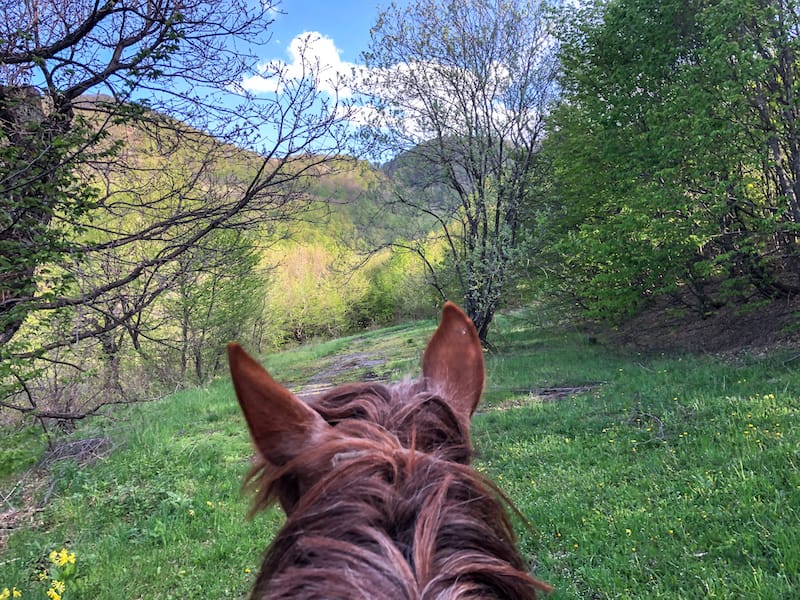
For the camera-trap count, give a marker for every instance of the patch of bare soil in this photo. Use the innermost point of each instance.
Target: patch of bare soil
(354, 367)
(538, 395)
(667, 327)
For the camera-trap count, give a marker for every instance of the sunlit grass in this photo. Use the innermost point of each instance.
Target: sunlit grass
(670, 477)
(676, 478)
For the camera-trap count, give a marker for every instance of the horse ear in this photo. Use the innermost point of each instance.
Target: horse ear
(281, 425)
(453, 361)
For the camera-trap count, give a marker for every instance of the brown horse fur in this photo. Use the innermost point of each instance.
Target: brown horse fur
(375, 481)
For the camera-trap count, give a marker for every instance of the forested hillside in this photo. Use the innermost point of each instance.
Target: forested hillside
(314, 260)
(617, 158)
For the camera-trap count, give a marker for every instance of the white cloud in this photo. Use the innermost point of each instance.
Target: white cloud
(313, 57)
(428, 98)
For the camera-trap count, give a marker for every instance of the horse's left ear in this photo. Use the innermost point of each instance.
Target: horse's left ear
(282, 426)
(453, 361)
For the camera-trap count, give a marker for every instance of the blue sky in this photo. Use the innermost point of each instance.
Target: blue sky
(347, 23)
(327, 35)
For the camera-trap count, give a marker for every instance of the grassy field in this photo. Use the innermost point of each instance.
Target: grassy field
(641, 476)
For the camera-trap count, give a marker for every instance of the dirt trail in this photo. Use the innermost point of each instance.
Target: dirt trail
(354, 366)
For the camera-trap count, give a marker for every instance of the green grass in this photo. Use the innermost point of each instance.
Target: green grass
(672, 477)
(21, 448)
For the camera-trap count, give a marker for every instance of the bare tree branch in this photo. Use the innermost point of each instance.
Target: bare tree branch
(126, 156)
(460, 91)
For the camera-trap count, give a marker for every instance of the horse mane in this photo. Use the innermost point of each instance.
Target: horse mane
(389, 507)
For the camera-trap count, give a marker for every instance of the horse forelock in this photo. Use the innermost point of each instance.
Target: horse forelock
(389, 507)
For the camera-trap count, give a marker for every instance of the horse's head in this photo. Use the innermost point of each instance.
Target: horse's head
(285, 429)
(283, 426)
(378, 477)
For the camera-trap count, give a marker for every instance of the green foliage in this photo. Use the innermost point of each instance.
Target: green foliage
(669, 155)
(21, 449)
(397, 289)
(324, 280)
(42, 203)
(216, 299)
(310, 292)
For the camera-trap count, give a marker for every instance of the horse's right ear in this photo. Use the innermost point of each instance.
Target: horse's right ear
(453, 361)
(281, 425)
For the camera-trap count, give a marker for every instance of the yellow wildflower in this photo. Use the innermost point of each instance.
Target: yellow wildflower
(5, 594)
(58, 586)
(16, 593)
(53, 595)
(62, 557)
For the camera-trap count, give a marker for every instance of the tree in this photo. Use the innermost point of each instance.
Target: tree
(217, 296)
(121, 154)
(462, 88)
(675, 152)
(314, 285)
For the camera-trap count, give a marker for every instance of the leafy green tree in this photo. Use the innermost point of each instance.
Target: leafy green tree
(312, 287)
(460, 90)
(397, 287)
(672, 152)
